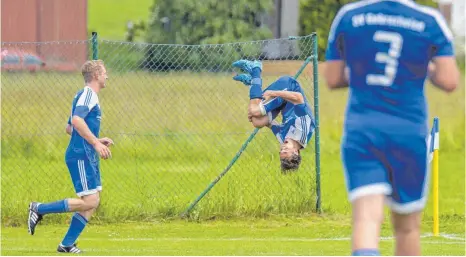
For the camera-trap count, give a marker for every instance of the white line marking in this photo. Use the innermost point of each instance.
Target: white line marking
(450, 237)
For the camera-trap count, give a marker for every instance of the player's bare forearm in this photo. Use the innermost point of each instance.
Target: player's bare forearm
(334, 74)
(444, 73)
(289, 96)
(83, 130)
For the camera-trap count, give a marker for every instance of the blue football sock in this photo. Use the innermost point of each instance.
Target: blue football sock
(53, 207)
(256, 73)
(366, 252)
(255, 91)
(78, 223)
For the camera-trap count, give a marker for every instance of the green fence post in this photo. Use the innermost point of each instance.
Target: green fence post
(317, 130)
(95, 50)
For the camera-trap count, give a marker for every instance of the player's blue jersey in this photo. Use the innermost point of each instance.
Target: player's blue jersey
(85, 105)
(297, 120)
(387, 45)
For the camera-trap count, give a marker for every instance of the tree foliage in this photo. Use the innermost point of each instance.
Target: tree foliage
(190, 22)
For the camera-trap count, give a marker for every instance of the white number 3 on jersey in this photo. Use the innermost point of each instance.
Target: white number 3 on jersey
(390, 59)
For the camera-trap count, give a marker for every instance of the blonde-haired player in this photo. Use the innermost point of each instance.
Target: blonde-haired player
(82, 159)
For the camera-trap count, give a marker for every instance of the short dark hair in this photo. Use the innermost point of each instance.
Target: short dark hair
(291, 164)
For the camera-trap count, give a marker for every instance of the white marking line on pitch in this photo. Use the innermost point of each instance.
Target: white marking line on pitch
(453, 238)
(448, 237)
(459, 240)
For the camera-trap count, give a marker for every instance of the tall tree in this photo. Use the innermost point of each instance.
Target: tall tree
(208, 21)
(190, 22)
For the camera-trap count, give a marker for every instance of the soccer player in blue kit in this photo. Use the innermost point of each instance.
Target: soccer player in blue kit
(284, 96)
(384, 50)
(82, 159)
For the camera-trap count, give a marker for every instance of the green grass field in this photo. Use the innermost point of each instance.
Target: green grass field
(174, 133)
(171, 141)
(267, 237)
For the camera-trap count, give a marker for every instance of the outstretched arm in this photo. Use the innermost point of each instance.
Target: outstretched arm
(289, 96)
(258, 110)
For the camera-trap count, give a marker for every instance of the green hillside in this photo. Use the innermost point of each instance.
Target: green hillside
(109, 19)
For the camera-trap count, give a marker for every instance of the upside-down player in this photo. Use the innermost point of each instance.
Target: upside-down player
(284, 96)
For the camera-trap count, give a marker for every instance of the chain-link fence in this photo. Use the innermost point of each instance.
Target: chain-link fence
(177, 119)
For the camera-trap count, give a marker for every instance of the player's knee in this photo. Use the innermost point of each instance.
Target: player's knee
(368, 210)
(407, 229)
(257, 124)
(406, 224)
(95, 202)
(92, 201)
(368, 216)
(291, 163)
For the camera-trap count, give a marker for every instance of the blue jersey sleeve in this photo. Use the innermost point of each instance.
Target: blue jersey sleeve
(335, 39)
(85, 103)
(72, 108)
(442, 38)
(300, 109)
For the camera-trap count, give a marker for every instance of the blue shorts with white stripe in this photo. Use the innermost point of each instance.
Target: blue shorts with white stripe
(85, 176)
(377, 162)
